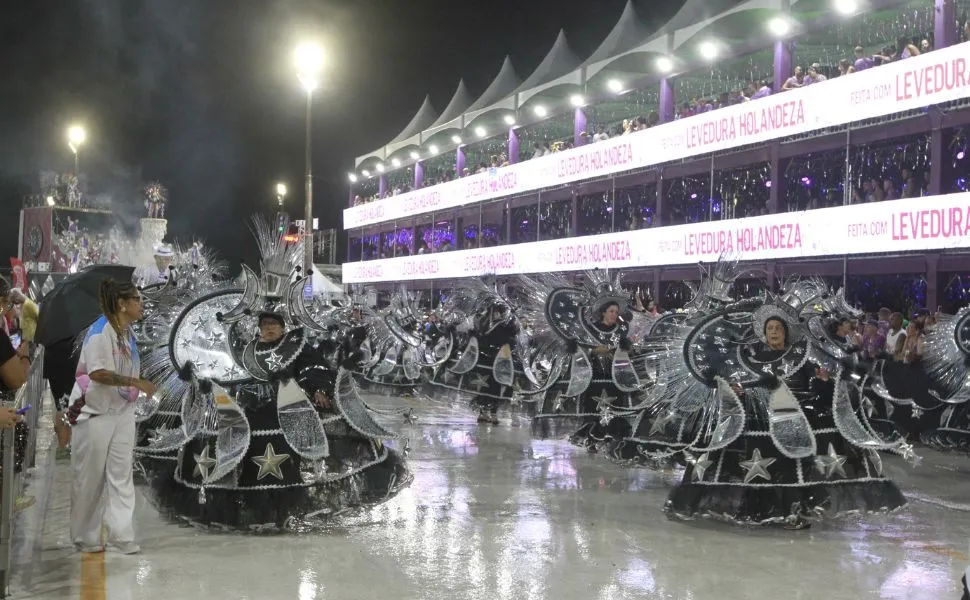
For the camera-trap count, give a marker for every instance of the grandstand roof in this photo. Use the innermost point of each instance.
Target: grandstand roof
(503, 85)
(694, 12)
(621, 54)
(628, 33)
(421, 120)
(559, 61)
(460, 101)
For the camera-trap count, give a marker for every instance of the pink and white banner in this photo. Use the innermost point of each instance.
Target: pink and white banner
(910, 225)
(932, 78)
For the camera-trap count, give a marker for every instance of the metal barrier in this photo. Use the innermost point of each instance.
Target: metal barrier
(12, 483)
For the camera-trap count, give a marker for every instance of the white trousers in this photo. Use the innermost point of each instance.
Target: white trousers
(103, 490)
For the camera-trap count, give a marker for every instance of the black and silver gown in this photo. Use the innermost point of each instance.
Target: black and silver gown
(263, 454)
(486, 369)
(757, 480)
(585, 418)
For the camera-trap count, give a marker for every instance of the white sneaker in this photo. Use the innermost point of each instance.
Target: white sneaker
(89, 549)
(126, 547)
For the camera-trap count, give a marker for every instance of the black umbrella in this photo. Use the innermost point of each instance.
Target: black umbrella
(73, 305)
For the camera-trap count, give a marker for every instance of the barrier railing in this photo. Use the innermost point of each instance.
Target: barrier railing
(11, 482)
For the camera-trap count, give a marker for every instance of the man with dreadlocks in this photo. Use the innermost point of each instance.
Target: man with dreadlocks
(102, 411)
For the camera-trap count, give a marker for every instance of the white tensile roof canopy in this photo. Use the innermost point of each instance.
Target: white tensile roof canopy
(629, 37)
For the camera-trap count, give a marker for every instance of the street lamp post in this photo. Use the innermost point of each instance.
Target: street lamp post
(75, 138)
(280, 194)
(309, 60)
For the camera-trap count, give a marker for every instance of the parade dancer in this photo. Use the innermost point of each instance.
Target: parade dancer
(258, 432)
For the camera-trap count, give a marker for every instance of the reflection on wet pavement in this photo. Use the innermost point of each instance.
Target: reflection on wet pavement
(496, 515)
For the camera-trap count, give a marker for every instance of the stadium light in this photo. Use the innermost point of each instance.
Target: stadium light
(779, 26)
(577, 100)
(846, 7)
(415, 155)
(308, 59)
(309, 62)
(380, 168)
(509, 120)
(433, 149)
(76, 136)
(280, 194)
(396, 162)
(615, 85)
(50, 201)
(352, 177)
(540, 111)
(456, 139)
(708, 50)
(365, 173)
(665, 65)
(480, 131)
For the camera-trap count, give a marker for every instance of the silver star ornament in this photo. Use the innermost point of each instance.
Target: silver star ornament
(757, 467)
(269, 463)
(203, 463)
(830, 463)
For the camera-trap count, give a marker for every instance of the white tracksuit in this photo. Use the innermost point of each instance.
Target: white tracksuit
(103, 440)
(103, 490)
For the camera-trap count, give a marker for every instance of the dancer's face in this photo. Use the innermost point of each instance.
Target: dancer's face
(775, 334)
(270, 330)
(610, 315)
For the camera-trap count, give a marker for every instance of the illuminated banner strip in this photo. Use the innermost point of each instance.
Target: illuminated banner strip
(932, 78)
(910, 225)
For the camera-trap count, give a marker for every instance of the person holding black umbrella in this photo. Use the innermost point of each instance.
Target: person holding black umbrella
(102, 411)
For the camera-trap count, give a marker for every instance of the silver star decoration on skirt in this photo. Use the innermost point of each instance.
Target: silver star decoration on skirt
(604, 400)
(478, 382)
(398, 377)
(203, 463)
(757, 467)
(158, 433)
(269, 463)
(660, 423)
(409, 417)
(908, 454)
(274, 361)
(701, 464)
(831, 463)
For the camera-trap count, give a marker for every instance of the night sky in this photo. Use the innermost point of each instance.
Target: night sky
(202, 95)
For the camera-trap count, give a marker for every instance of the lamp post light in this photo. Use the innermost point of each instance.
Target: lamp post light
(309, 62)
(280, 194)
(75, 138)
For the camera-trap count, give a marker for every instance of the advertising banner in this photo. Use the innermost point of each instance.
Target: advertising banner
(898, 226)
